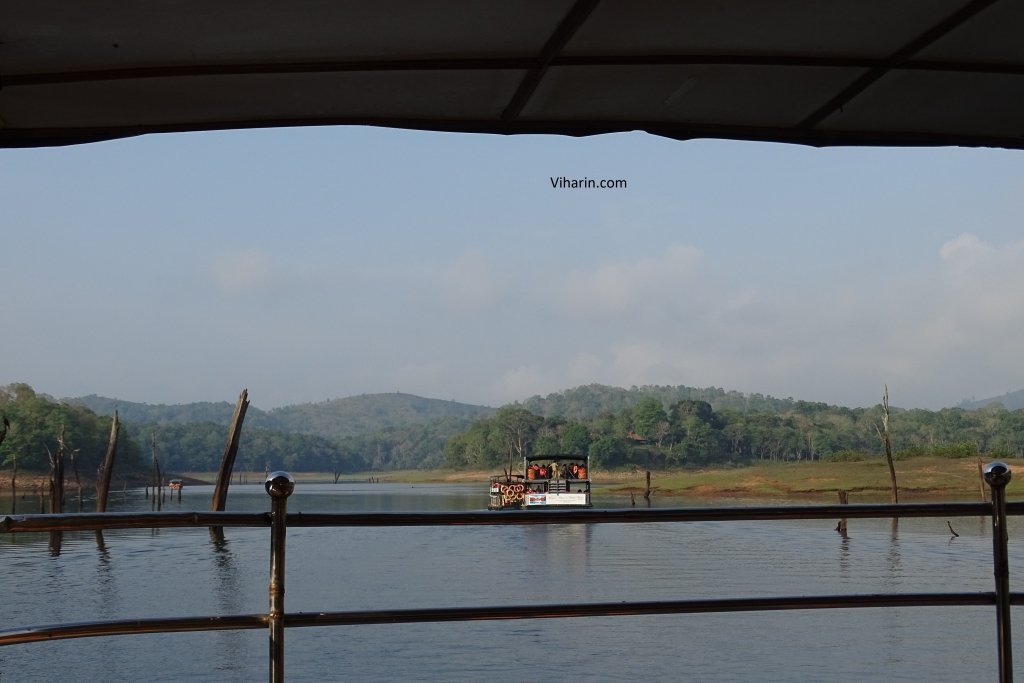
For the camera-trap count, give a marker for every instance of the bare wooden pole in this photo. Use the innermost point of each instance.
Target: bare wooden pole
(57, 477)
(159, 484)
(887, 444)
(647, 491)
(78, 480)
(57, 488)
(14, 475)
(14, 485)
(152, 504)
(981, 480)
(220, 491)
(63, 448)
(103, 483)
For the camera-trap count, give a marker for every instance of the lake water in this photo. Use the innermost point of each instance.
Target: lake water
(181, 572)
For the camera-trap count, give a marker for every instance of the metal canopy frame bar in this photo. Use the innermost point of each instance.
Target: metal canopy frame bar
(915, 46)
(558, 40)
(534, 68)
(501, 64)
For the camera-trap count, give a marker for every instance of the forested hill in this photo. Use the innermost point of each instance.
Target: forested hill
(335, 419)
(181, 413)
(587, 402)
(1013, 400)
(355, 415)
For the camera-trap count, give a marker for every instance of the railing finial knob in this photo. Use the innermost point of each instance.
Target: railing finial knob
(997, 473)
(279, 484)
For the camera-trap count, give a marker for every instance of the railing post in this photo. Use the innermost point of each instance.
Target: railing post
(279, 485)
(997, 475)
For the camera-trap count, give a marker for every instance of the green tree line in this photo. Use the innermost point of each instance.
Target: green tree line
(199, 446)
(36, 421)
(692, 433)
(183, 445)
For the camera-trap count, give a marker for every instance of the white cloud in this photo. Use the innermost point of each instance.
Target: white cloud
(524, 382)
(244, 272)
(932, 333)
(470, 283)
(626, 286)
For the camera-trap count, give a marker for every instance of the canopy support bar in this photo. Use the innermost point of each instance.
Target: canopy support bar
(951, 22)
(562, 35)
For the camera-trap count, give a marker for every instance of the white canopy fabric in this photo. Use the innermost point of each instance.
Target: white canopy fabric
(818, 72)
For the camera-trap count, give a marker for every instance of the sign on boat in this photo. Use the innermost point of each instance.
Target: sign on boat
(546, 481)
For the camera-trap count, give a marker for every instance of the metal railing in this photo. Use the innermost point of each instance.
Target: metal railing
(280, 485)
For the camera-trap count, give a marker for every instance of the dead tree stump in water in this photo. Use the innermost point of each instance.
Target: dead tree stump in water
(227, 463)
(103, 480)
(844, 499)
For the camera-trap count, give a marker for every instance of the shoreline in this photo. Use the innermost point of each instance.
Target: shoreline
(919, 478)
(868, 481)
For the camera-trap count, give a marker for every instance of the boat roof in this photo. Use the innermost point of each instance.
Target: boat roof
(554, 458)
(870, 72)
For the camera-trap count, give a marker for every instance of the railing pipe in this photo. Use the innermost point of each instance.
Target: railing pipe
(279, 485)
(158, 520)
(997, 475)
(122, 627)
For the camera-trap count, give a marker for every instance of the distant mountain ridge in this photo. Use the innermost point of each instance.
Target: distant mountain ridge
(342, 417)
(1011, 400)
(335, 419)
(356, 415)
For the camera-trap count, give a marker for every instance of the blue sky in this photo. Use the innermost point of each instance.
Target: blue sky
(313, 263)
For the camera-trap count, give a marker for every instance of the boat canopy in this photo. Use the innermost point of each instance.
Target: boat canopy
(561, 457)
(869, 72)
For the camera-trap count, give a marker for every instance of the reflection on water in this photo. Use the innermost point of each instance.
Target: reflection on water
(176, 572)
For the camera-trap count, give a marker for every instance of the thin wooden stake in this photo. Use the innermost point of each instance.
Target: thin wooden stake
(14, 486)
(884, 436)
(57, 475)
(159, 484)
(14, 475)
(981, 480)
(103, 484)
(78, 480)
(227, 463)
(152, 504)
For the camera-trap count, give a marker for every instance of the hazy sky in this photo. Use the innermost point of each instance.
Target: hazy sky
(308, 264)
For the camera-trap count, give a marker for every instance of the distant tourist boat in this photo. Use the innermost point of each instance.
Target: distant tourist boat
(547, 481)
(174, 484)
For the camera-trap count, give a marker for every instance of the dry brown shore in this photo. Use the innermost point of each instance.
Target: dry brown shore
(867, 481)
(31, 480)
(919, 478)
